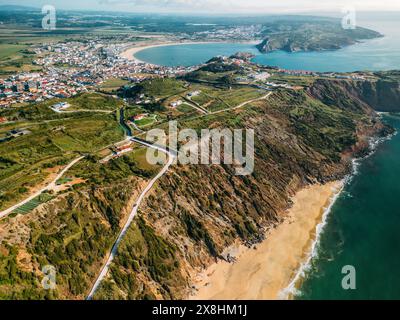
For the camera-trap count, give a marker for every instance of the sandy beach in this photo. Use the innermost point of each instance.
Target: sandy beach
(130, 53)
(264, 272)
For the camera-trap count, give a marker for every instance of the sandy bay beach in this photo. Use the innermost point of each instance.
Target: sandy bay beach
(275, 264)
(129, 53)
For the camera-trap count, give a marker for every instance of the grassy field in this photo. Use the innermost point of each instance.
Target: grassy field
(161, 88)
(54, 140)
(93, 101)
(9, 50)
(146, 121)
(16, 57)
(293, 80)
(185, 108)
(111, 85)
(33, 204)
(63, 180)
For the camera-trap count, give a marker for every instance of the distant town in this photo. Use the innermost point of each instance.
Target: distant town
(73, 67)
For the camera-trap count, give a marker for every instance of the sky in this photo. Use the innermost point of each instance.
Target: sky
(215, 6)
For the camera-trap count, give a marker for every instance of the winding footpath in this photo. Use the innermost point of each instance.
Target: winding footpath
(114, 250)
(50, 186)
(243, 104)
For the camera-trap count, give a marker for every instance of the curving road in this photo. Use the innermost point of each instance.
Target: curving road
(50, 186)
(114, 250)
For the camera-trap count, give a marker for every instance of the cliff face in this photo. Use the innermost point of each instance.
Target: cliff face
(310, 35)
(194, 212)
(382, 95)
(197, 211)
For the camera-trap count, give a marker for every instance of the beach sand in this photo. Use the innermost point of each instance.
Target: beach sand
(263, 273)
(130, 53)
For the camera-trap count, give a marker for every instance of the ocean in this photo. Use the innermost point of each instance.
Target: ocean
(362, 229)
(376, 54)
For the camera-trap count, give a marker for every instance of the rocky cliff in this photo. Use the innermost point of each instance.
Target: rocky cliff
(197, 211)
(308, 35)
(194, 212)
(381, 94)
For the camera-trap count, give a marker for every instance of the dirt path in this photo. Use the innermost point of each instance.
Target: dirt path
(50, 186)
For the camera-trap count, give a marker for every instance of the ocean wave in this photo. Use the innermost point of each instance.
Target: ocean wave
(292, 290)
(373, 142)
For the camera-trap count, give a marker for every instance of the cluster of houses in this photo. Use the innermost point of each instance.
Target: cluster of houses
(352, 76)
(117, 151)
(74, 67)
(297, 72)
(37, 87)
(245, 33)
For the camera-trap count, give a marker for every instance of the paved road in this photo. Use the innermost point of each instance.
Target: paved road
(50, 186)
(114, 250)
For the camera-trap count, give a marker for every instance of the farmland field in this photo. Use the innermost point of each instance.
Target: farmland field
(31, 205)
(54, 140)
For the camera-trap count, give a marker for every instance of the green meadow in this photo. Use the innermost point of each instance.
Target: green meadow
(53, 141)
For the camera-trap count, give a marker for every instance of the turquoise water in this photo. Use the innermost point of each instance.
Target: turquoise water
(376, 54)
(363, 230)
(190, 54)
(369, 55)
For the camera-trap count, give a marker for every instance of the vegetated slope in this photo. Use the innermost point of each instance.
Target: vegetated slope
(382, 94)
(307, 35)
(195, 212)
(73, 232)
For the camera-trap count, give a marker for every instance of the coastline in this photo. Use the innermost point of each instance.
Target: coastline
(130, 52)
(268, 272)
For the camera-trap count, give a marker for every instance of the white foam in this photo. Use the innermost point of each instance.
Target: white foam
(305, 267)
(291, 289)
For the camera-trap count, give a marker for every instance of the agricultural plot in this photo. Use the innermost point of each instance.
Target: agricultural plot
(15, 58)
(27, 161)
(94, 101)
(202, 99)
(111, 85)
(237, 96)
(185, 108)
(146, 121)
(33, 204)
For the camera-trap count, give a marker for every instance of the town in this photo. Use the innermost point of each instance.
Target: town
(73, 67)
